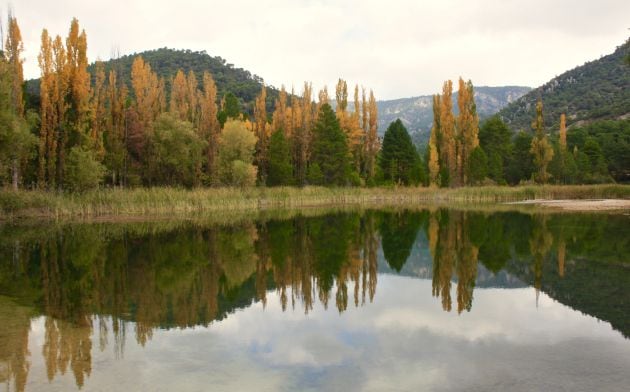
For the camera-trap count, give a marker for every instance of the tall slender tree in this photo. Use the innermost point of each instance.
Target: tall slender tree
(399, 157)
(209, 126)
(541, 148)
(446, 139)
(148, 90)
(341, 95)
(302, 139)
(467, 129)
(48, 122)
(13, 49)
(372, 143)
(433, 162)
(60, 99)
(192, 93)
(435, 139)
(280, 113)
(98, 111)
(356, 134)
(261, 131)
(16, 141)
(115, 138)
(563, 132)
(179, 104)
(296, 125)
(78, 116)
(329, 163)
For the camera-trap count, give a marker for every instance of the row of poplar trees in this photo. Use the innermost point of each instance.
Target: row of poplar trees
(92, 128)
(307, 143)
(455, 156)
(454, 141)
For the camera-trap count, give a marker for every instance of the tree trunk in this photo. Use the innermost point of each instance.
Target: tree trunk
(15, 167)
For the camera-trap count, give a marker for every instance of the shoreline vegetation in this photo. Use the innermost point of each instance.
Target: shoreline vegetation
(164, 201)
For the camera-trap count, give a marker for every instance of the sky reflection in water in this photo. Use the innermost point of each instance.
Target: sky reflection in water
(283, 321)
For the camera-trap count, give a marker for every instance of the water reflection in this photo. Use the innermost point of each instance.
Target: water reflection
(101, 280)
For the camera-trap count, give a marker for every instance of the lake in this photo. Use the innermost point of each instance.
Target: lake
(436, 299)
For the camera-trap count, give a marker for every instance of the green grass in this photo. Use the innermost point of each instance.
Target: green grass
(161, 201)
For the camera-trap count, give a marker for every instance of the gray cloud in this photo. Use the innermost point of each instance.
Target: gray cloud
(398, 48)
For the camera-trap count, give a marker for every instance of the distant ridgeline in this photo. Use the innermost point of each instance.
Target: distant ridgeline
(597, 90)
(166, 62)
(416, 113)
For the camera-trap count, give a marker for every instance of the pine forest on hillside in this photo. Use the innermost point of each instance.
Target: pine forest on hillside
(597, 90)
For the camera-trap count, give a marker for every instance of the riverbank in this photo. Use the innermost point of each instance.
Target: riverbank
(169, 201)
(581, 205)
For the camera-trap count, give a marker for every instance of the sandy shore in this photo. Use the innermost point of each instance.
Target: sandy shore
(582, 205)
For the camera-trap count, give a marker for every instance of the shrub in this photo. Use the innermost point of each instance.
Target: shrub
(83, 171)
(243, 174)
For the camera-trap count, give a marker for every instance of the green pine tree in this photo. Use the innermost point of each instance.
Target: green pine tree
(521, 163)
(280, 169)
(494, 139)
(330, 154)
(478, 165)
(399, 158)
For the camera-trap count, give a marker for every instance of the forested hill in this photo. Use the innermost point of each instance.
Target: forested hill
(417, 112)
(599, 89)
(166, 62)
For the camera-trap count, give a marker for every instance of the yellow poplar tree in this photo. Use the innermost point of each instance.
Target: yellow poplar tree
(60, 91)
(13, 53)
(302, 138)
(434, 165)
(467, 128)
(563, 132)
(48, 120)
(341, 95)
(160, 101)
(191, 98)
(372, 144)
(364, 112)
(148, 90)
(116, 152)
(98, 112)
(261, 132)
(208, 124)
(541, 148)
(322, 97)
(356, 134)
(78, 78)
(435, 143)
(446, 139)
(297, 125)
(280, 113)
(179, 94)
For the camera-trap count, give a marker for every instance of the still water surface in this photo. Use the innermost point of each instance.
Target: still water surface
(371, 300)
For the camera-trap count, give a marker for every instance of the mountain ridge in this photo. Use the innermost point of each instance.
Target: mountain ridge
(597, 90)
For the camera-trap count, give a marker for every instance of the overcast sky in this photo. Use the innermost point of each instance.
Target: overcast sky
(399, 48)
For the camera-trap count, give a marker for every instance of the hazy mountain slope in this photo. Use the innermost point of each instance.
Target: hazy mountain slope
(599, 89)
(417, 113)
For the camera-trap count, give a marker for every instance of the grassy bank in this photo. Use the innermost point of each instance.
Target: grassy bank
(146, 201)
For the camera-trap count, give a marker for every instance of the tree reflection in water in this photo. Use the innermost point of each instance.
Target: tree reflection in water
(108, 277)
